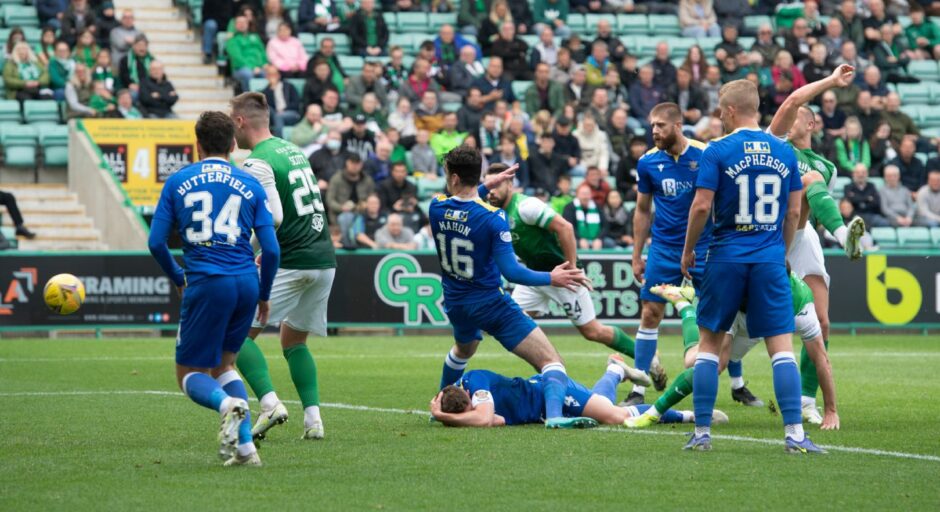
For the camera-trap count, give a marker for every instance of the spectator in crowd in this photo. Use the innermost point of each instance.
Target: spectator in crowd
(695, 63)
(545, 166)
(471, 112)
(578, 92)
(428, 113)
(379, 163)
(877, 18)
(333, 116)
(102, 101)
(731, 69)
(86, 49)
(563, 67)
(864, 198)
(512, 50)
(489, 134)
(367, 82)
(852, 28)
(729, 45)
(423, 160)
(51, 12)
(360, 140)
(345, 10)
(367, 222)
(493, 84)
(348, 187)
(102, 70)
(616, 92)
(136, 64)
(465, 71)
(784, 63)
(644, 95)
(368, 31)
(691, 99)
(310, 133)
(522, 16)
(45, 48)
(590, 226)
(552, 15)
(418, 82)
(8, 200)
(619, 222)
(798, 41)
(509, 155)
(24, 77)
(16, 36)
(913, 172)
(318, 82)
(287, 53)
(272, 17)
(448, 137)
(626, 177)
(594, 144)
(61, 69)
(316, 17)
(123, 36)
(329, 159)
(619, 134)
(711, 86)
(489, 28)
(157, 95)
(817, 67)
(125, 106)
(833, 39)
(594, 179)
(77, 17)
(394, 235)
(891, 55)
(283, 101)
(567, 146)
(871, 82)
(664, 72)
(216, 14)
(928, 201)
(327, 52)
(897, 205)
(882, 147)
(471, 15)
(246, 54)
(698, 19)
(923, 35)
(403, 118)
(599, 107)
(868, 116)
(448, 48)
(392, 190)
(851, 147)
(833, 117)
(597, 64)
(78, 92)
(562, 196)
(375, 116)
(901, 124)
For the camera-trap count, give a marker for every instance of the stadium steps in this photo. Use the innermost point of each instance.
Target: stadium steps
(200, 87)
(57, 218)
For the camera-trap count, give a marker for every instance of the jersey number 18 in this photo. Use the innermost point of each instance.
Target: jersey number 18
(767, 206)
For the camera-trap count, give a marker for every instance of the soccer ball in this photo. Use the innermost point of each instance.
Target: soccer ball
(64, 294)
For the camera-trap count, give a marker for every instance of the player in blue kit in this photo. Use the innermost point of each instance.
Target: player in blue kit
(215, 207)
(749, 184)
(475, 249)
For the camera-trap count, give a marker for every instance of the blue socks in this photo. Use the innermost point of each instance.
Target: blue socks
(204, 390)
(453, 369)
(554, 384)
(607, 385)
(232, 384)
(786, 387)
(645, 348)
(705, 384)
(735, 369)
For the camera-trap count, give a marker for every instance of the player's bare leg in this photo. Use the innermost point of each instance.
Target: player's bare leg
(650, 318)
(303, 372)
(786, 387)
(254, 367)
(608, 335)
(808, 370)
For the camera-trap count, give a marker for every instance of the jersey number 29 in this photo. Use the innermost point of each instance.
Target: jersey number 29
(767, 206)
(226, 223)
(454, 261)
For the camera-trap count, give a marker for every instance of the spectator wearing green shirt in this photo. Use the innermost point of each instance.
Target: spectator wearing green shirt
(554, 14)
(923, 35)
(544, 94)
(368, 31)
(448, 137)
(246, 54)
(852, 149)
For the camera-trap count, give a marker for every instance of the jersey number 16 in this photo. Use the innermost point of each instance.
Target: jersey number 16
(453, 261)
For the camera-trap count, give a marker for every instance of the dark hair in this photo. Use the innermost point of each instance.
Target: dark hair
(399, 163)
(353, 157)
(215, 132)
(253, 106)
(496, 168)
(454, 400)
(465, 162)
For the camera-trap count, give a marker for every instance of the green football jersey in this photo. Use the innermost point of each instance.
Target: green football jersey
(535, 245)
(303, 233)
(802, 294)
(809, 160)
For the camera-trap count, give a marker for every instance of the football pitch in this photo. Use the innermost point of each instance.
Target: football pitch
(100, 425)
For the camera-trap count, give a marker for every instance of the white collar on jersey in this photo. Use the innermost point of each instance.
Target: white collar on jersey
(214, 159)
(464, 199)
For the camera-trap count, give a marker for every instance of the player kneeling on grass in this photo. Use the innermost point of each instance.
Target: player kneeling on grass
(482, 398)
(215, 207)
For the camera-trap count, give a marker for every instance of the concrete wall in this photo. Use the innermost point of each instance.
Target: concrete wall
(121, 227)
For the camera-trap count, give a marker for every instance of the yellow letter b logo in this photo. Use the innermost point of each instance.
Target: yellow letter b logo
(894, 295)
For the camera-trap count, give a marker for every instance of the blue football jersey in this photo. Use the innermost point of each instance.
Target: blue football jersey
(214, 207)
(468, 234)
(671, 181)
(752, 174)
(518, 400)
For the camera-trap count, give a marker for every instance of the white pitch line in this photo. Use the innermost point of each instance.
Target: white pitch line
(353, 407)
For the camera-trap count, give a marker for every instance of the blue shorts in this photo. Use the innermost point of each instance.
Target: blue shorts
(215, 318)
(501, 317)
(762, 289)
(576, 397)
(664, 266)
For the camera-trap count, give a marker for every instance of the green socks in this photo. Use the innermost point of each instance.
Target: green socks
(623, 343)
(303, 371)
(823, 206)
(680, 388)
(808, 378)
(253, 366)
(690, 333)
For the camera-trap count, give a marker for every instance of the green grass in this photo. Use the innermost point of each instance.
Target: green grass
(122, 451)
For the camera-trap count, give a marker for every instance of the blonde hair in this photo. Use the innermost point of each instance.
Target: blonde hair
(740, 94)
(15, 55)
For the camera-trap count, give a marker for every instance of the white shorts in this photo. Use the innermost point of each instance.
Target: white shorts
(578, 306)
(299, 299)
(807, 327)
(806, 256)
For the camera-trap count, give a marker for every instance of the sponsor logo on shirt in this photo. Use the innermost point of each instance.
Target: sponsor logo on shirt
(456, 215)
(754, 147)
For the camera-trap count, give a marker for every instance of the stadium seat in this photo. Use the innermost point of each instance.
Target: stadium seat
(257, 84)
(629, 42)
(841, 182)
(341, 41)
(391, 21)
(664, 25)
(926, 70)
(55, 145)
(412, 22)
(403, 40)
(19, 145)
(286, 132)
(10, 111)
(935, 236)
(755, 21)
(914, 237)
(451, 106)
(427, 187)
(877, 181)
(20, 16)
(679, 46)
(9, 232)
(436, 20)
(576, 22)
(929, 116)
(914, 94)
(519, 87)
(352, 64)
(914, 112)
(41, 111)
(632, 24)
(886, 238)
(309, 41)
(530, 39)
(298, 84)
(591, 21)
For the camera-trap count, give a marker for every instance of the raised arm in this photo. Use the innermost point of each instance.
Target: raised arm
(786, 114)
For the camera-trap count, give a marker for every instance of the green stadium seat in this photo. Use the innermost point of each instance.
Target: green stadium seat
(286, 132)
(926, 70)
(391, 21)
(576, 22)
(257, 84)
(10, 234)
(530, 39)
(412, 21)
(32, 35)
(20, 16)
(839, 187)
(630, 42)
(632, 24)
(309, 41)
(299, 84)
(904, 21)
(451, 106)
(877, 181)
(55, 145)
(406, 41)
(754, 22)
(427, 187)
(914, 237)
(747, 42)
(886, 238)
(935, 236)
(664, 25)
(591, 21)
(914, 111)
(436, 20)
(19, 145)
(519, 88)
(679, 46)
(914, 94)
(352, 64)
(220, 40)
(341, 41)
(929, 116)
(41, 111)
(10, 111)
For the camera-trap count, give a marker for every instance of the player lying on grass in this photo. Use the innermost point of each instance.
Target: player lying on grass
(737, 344)
(482, 398)
(797, 123)
(475, 249)
(215, 207)
(543, 240)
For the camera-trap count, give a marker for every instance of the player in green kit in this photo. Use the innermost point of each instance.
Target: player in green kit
(308, 264)
(542, 239)
(795, 121)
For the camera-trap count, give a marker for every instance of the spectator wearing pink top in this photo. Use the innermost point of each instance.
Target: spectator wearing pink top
(287, 53)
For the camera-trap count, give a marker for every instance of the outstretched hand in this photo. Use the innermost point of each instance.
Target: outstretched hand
(843, 75)
(494, 180)
(568, 276)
